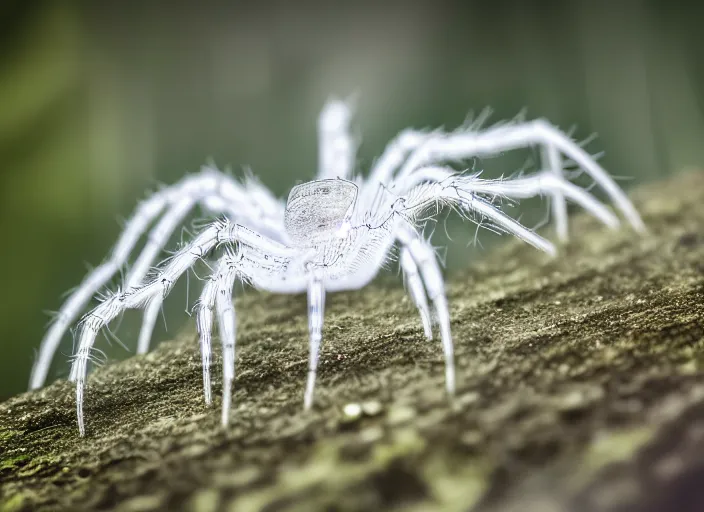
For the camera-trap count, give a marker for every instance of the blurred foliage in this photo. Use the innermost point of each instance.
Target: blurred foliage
(100, 101)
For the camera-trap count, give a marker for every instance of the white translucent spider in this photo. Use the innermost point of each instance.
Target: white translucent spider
(332, 234)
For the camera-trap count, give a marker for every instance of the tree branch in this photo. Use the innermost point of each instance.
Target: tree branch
(579, 385)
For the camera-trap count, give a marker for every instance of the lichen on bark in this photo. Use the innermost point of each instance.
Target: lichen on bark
(579, 387)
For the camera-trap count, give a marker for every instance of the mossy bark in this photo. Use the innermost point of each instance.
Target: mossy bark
(579, 387)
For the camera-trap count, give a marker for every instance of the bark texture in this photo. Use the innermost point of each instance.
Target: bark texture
(580, 387)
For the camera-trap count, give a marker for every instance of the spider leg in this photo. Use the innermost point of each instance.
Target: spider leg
(228, 330)
(158, 237)
(401, 146)
(230, 199)
(249, 203)
(316, 310)
(337, 148)
(430, 173)
(545, 182)
(442, 181)
(466, 192)
(553, 160)
(461, 145)
(221, 232)
(217, 294)
(416, 289)
(395, 153)
(431, 195)
(204, 324)
(213, 189)
(145, 214)
(424, 257)
(220, 193)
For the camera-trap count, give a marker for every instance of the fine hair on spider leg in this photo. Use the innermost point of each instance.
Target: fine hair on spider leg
(334, 233)
(217, 191)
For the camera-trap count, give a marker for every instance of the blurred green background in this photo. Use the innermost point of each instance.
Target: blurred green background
(100, 101)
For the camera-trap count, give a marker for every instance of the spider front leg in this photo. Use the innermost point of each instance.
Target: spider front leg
(553, 160)
(316, 313)
(542, 183)
(247, 265)
(103, 314)
(416, 290)
(227, 327)
(223, 194)
(221, 232)
(424, 258)
(493, 141)
(204, 320)
(217, 293)
(209, 187)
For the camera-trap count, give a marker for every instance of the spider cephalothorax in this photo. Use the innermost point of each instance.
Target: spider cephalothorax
(334, 233)
(317, 210)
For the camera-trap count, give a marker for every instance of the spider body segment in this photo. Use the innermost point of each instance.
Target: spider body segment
(332, 234)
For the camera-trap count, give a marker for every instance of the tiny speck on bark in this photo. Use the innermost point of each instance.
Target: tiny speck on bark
(580, 387)
(690, 240)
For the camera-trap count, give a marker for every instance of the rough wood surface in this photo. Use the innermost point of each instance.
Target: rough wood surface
(579, 388)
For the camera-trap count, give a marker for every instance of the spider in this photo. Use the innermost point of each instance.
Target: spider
(332, 234)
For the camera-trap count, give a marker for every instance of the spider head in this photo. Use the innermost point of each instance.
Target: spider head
(317, 211)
